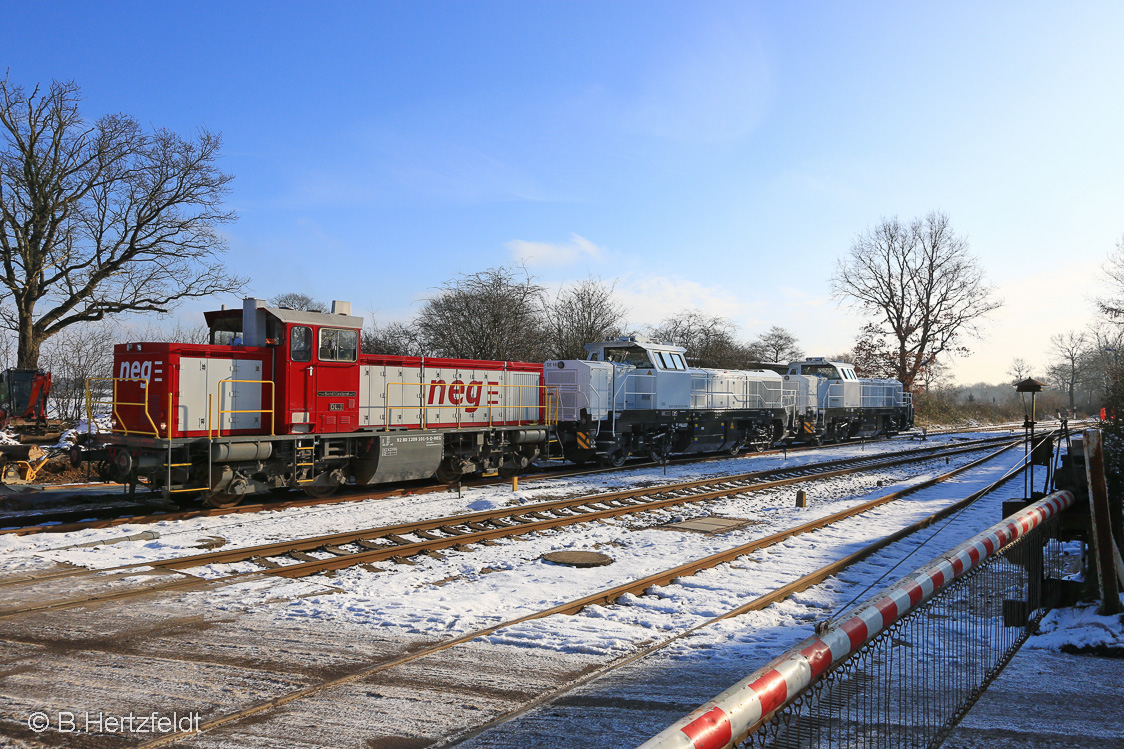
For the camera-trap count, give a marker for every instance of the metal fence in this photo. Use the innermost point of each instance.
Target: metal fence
(911, 685)
(903, 669)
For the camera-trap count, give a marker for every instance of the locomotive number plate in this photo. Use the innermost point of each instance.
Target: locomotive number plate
(335, 406)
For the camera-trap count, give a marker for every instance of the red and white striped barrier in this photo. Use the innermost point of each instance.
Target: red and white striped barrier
(741, 708)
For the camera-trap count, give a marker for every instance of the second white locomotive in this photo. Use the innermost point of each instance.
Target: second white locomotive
(636, 396)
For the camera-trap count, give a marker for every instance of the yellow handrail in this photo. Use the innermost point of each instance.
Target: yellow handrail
(550, 403)
(114, 403)
(270, 411)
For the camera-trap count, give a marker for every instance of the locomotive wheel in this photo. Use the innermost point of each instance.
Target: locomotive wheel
(222, 500)
(614, 459)
(734, 449)
(446, 473)
(509, 470)
(321, 491)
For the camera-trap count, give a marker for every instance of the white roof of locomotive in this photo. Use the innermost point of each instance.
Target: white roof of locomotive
(820, 360)
(639, 341)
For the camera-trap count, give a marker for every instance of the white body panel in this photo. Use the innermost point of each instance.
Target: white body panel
(446, 396)
(234, 405)
(721, 390)
(580, 384)
(832, 384)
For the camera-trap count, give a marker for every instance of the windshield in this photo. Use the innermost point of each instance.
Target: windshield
(637, 357)
(821, 370)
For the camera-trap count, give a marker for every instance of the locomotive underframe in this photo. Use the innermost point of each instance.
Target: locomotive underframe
(226, 469)
(842, 424)
(658, 433)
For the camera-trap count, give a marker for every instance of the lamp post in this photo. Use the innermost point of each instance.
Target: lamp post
(1034, 387)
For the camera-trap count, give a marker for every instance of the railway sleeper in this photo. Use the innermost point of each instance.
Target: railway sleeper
(301, 556)
(335, 550)
(426, 535)
(397, 539)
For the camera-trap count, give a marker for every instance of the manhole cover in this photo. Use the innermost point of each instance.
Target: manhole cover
(578, 558)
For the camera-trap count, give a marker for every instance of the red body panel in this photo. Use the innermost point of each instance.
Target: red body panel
(148, 373)
(312, 397)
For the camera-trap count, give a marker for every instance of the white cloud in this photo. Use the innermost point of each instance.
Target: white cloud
(551, 254)
(651, 299)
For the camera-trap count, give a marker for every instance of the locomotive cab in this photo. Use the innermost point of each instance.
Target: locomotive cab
(645, 374)
(315, 358)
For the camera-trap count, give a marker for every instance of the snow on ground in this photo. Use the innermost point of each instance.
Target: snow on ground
(436, 599)
(1079, 629)
(489, 585)
(632, 703)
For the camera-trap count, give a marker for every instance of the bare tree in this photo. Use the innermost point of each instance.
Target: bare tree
(296, 300)
(394, 339)
(74, 356)
(493, 314)
(873, 355)
(1070, 351)
(778, 345)
(581, 313)
(103, 218)
(709, 339)
(1106, 346)
(922, 282)
(177, 333)
(1114, 269)
(1019, 370)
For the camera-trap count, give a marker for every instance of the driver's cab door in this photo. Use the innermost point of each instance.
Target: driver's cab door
(300, 378)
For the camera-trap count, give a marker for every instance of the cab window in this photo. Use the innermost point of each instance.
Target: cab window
(337, 344)
(661, 361)
(821, 370)
(677, 359)
(300, 343)
(637, 357)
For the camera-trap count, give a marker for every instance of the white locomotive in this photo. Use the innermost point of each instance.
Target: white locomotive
(636, 396)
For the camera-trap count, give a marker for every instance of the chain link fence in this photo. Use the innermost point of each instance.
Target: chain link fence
(911, 685)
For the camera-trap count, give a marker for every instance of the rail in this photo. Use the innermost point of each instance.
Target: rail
(902, 670)
(547, 404)
(119, 422)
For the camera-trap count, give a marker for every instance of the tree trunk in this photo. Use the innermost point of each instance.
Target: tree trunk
(27, 354)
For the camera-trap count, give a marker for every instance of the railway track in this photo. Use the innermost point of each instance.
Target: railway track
(89, 515)
(397, 543)
(636, 587)
(72, 519)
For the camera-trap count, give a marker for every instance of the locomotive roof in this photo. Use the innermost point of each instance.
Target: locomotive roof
(286, 315)
(820, 360)
(636, 341)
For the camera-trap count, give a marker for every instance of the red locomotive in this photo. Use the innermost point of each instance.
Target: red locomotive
(283, 398)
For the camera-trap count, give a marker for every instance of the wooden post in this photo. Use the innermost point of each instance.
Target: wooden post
(1103, 544)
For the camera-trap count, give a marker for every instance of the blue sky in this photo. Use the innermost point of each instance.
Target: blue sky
(713, 155)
